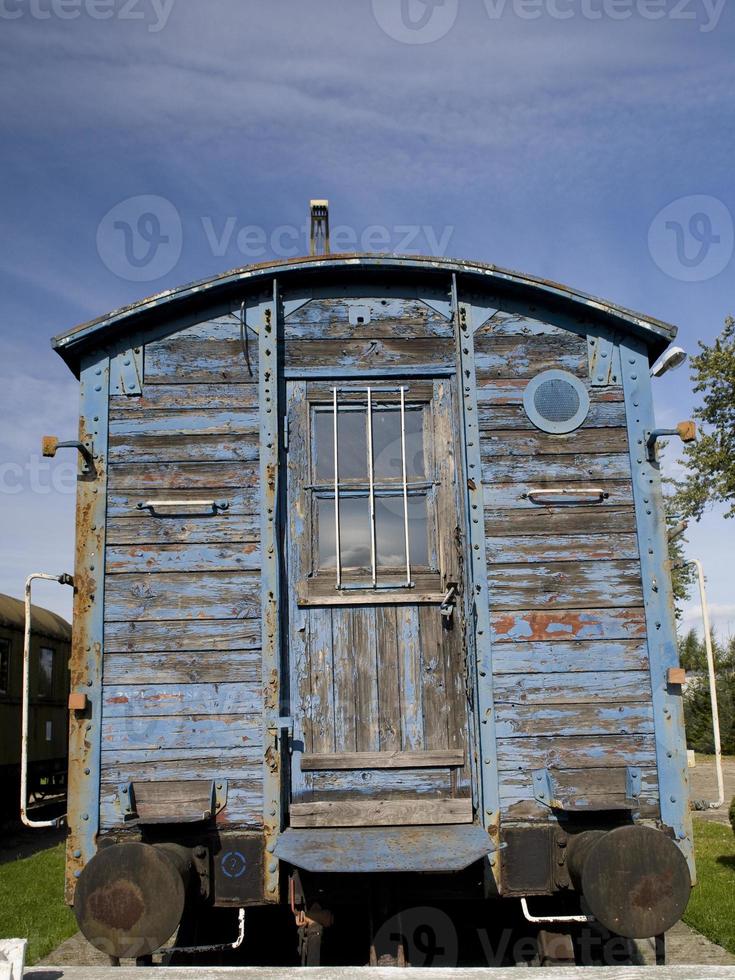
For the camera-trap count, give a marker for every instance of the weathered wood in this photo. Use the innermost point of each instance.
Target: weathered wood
(410, 666)
(384, 760)
(163, 477)
(345, 679)
(220, 528)
(499, 496)
(244, 796)
(436, 648)
(365, 653)
(574, 469)
(520, 442)
(242, 501)
(181, 358)
(185, 398)
(185, 448)
(176, 595)
(391, 354)
(508, 417)
(551, 547)
(378, 813)
(576, 687)
(318, 708)
(504, 323)
(161, 733)
(389, 707)
(185, 635)
(322, 319)
(518, 802)
(510, 391)
(577, 752)
(571, 585)
(525, 357)
(553, 521)
(149, 700)
(200, 667)
(191, 558)
(381, 784)
(564, 657)
(572, 624)
(203, 422)
(513, 720)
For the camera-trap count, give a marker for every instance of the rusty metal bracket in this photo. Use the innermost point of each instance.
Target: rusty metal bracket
(633, 783)
(126, 372)
(543, 788)
(686, 431)
(220, 794)
(604, 360)
(50, 445)
(126, 801)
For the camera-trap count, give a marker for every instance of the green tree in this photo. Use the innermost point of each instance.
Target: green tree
(710, 460)
(697, 705)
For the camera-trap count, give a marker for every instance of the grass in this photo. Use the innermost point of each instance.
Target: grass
(32, 902)
(712, 907)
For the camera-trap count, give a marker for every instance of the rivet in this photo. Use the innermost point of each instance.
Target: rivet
(77, 874)
(77, 854)
(273, 866)
(85, 816)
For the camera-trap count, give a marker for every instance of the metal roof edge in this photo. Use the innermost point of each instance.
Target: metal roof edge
(657, 333)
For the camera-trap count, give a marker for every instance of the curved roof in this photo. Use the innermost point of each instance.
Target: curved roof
(44, 622)
(72, 343)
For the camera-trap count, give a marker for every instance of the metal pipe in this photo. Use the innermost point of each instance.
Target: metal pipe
(25, 722)
(405, 486)
(336, 496)
(553, 918)
(712, 685)
(371, 478)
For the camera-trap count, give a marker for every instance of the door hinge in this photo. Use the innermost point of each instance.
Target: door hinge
(285, 433)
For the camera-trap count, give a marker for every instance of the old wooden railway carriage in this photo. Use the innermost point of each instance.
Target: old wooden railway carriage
(48, 692)
(371, 584)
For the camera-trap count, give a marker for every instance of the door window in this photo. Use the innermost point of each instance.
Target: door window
(373, 488)
(46, 672)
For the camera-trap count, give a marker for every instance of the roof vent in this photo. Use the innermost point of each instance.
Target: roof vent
(319, 236)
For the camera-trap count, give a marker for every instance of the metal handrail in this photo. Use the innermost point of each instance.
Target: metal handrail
(596, 492)
(25, 722)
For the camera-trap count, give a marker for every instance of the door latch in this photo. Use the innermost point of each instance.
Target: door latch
(449, 601)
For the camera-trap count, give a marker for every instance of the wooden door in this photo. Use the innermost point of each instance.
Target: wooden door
(374, 580)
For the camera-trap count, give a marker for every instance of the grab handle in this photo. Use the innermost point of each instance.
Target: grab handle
(595, 494)
(214, 505)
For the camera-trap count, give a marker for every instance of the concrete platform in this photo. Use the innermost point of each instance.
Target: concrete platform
(388, 973)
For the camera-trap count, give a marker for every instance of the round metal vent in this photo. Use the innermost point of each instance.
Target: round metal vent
(556, 401)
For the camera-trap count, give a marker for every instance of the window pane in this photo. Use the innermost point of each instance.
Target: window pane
(389, 531)
(354, 529)
(45, 672)
(387, 444)
(352, 441)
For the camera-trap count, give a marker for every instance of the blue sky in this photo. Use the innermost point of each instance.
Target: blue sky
(542, 135)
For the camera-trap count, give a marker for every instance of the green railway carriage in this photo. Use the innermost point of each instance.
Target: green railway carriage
(49, 691)
(372, 596)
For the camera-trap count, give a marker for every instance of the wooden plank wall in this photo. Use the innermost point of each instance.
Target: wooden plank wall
(182, 671)
(571, 679)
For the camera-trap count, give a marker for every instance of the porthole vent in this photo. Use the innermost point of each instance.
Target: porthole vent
(556, 401)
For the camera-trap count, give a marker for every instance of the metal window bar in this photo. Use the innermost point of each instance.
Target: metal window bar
(371, 489)
(371, 477)
(405, 486)
(336, 498)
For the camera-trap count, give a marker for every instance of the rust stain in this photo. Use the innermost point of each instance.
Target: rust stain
(119, 905)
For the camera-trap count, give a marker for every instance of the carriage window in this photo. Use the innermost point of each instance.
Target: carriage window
(372, 497)
(4, 666)
(46, 672)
